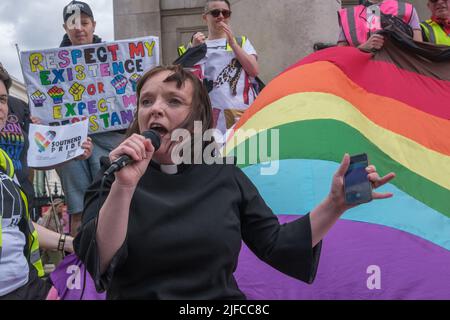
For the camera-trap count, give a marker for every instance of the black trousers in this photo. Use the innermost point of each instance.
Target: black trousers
(35, 289)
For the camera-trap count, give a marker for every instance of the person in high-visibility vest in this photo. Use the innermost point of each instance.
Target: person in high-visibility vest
(360, 24)
(437, 28)
(20, 239)
(229, 68)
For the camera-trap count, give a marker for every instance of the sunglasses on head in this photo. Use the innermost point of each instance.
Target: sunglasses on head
(216, 12)
(435, 1)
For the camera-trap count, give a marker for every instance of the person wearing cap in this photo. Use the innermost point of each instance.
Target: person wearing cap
(76, 176)
(437, 29)
(20, 238)
(78, 32)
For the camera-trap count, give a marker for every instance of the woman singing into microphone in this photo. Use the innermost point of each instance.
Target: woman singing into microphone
(174, 232)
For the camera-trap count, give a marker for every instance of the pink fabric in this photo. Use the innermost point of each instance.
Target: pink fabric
(360, 17)
(343, 14)
(408, 13)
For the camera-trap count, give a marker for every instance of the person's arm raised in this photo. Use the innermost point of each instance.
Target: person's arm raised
(198, 39)
(113, 216)
(324, 216)
(248, 61)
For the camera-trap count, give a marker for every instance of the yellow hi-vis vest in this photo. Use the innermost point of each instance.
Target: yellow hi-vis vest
(6, 165)
(240, 41)
(434, 33)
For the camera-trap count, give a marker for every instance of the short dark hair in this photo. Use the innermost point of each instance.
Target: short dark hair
(201, 104)
(209, 1)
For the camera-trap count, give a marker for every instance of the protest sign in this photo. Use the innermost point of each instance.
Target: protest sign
(52, 145)
(95, 82)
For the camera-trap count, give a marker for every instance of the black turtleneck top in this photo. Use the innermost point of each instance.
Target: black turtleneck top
(184, 236)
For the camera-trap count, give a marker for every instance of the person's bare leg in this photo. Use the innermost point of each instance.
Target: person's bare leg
(75, 223)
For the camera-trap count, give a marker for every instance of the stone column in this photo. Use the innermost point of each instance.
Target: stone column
(283, 32)
(136, 18)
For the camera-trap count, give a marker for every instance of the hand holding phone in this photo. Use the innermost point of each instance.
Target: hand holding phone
(357, 187)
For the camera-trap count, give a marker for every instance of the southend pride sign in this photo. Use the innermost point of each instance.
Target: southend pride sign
(95, 82)
(52, 145)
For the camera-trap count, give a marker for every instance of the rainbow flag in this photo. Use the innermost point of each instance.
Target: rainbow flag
(395, 106)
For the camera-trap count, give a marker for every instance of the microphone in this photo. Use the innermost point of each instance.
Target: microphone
(125, 159)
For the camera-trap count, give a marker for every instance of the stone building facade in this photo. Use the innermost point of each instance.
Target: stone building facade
(282, 31)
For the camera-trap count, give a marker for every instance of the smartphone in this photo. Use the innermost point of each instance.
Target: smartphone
(373, 19)
(357, 186)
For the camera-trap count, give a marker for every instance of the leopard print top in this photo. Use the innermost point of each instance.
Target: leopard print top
(231, 74)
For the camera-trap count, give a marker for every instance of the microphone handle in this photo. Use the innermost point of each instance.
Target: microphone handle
(124, 160)
(118, 164)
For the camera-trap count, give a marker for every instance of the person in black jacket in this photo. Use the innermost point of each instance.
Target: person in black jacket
(156, 230)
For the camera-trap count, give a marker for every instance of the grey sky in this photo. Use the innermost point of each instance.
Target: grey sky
(37, 24)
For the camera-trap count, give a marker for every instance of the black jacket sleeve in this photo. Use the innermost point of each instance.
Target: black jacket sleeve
(85, 244)
(287, 247)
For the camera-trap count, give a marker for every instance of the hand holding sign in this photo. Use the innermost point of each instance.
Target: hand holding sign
(50, 146)
(87, 147)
